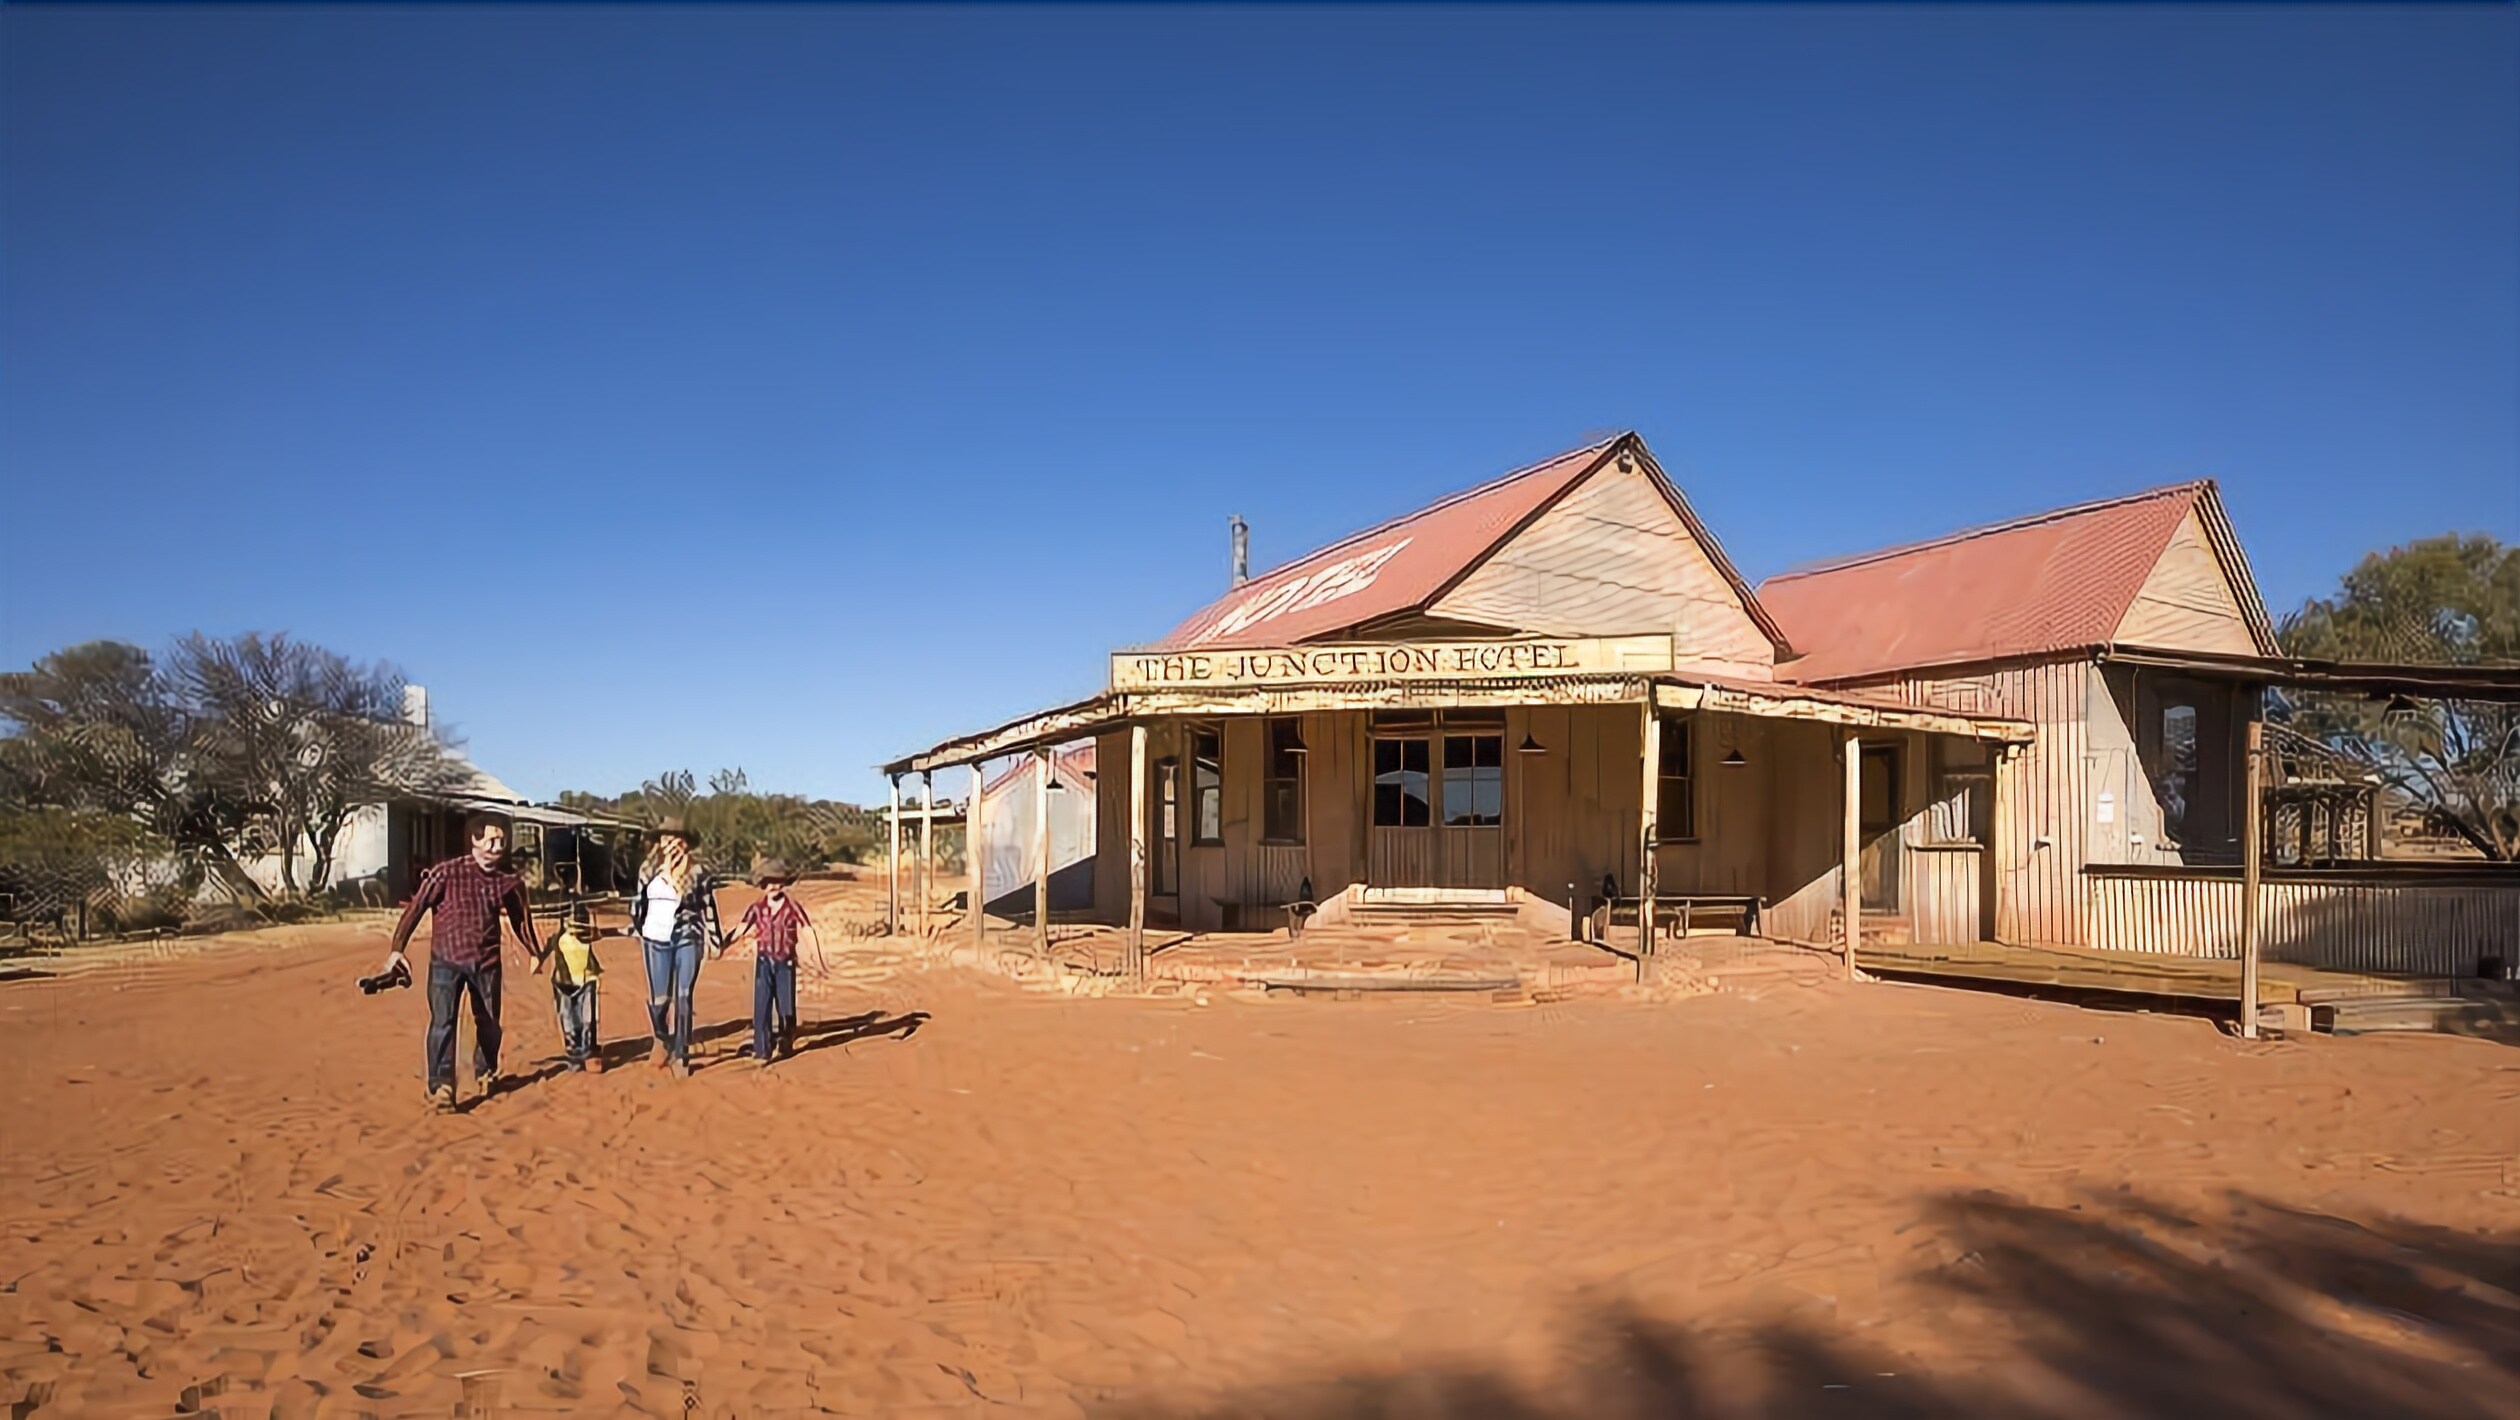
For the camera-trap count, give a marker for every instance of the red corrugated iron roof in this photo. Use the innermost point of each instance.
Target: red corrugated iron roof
(2055, 581)
(1396, 567)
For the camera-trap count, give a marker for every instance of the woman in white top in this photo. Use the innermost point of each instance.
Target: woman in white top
(675, 915)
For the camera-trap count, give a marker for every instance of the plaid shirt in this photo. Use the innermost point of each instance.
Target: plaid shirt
(778, 927)
(466, 902)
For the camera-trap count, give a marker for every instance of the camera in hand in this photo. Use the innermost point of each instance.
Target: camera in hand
(397, 975)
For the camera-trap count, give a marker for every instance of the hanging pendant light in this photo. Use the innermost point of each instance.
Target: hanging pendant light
(1733, 758)
(1530, 745)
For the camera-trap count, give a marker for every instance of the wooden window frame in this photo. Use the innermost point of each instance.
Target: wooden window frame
(1165, 785)
(1678, 736)
(1274, 757)
(1201, 735)
(1978, 777)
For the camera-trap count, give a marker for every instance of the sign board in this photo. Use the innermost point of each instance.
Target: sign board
(1380, 662)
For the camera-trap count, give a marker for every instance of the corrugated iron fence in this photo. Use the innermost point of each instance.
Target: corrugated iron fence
(2397, 919)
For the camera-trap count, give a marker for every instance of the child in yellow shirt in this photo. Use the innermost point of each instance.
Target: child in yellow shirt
(574, 973)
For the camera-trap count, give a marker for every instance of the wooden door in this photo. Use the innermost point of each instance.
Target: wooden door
(1878, 822)
(1470, 806)
(1402, 848)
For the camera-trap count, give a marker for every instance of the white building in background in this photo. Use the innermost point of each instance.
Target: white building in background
(384, 848)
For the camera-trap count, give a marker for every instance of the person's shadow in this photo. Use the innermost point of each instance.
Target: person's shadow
(822, 1035)
(818, 1035)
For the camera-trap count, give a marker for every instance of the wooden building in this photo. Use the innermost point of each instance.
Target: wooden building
(1553, 691)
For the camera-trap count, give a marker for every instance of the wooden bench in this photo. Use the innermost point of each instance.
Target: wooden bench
(1681, 911)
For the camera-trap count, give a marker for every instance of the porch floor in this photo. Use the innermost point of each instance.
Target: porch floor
(2136, 973)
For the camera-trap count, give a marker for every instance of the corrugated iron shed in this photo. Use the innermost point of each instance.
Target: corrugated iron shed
(2053, 582)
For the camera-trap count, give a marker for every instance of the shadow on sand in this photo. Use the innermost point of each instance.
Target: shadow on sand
(2115, 1307)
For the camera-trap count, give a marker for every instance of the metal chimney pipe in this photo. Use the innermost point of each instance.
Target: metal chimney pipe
(1242, 548)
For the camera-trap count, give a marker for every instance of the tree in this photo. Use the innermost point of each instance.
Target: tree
(307, 738)
(98, 728)
(228, 747)
(2449, 600)
(733, 826)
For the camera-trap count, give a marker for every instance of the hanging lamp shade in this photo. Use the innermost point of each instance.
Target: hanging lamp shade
(1530, 745)
(1733, 758)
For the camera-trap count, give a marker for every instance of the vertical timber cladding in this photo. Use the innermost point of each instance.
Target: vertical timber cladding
(2040, 842)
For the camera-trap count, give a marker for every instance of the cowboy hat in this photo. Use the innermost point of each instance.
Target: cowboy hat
(769, 870)
(672, 826)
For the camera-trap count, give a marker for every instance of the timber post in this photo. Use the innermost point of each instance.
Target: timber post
(2252, 849)
(1649, 810)
(927, 848)
(1994, 908)
(1851, 869)
(1043, 768)
(1137, 852)
(892, 862)
(975, 860)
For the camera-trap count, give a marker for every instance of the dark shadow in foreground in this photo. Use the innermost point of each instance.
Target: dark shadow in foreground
(2115, 1307)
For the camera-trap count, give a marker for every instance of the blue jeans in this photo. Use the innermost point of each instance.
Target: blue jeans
(774, 984)
(673, 970)
(577, 1020)
(449, 985)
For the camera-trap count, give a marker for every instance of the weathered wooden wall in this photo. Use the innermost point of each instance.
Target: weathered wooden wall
(2186, 602)
(2380, 920)
(1611, 558)
(2041, 837)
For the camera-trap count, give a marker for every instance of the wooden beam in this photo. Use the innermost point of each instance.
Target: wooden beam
(1792, 702)
(892, 862)
(1137, 851)
(975, 856)
(927, 847)
(1851, 890)
(1649, 810)
(2252, 852)
(1042, 770)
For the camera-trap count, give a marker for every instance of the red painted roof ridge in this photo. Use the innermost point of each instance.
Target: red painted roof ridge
(2028, 520)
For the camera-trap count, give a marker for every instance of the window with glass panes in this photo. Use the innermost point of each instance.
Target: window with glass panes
(1675, 803)
(1282, 785)
(1964, 791)
(1474, 781)
(1400, 784)
(1207, 787)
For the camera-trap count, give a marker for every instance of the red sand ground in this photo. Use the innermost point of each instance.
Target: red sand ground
(220, 1189)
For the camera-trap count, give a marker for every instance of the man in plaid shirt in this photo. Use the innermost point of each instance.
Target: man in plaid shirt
(465, 898)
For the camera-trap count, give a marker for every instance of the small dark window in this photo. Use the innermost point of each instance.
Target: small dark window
(1282, 788)
(1474, 781)
(1167, 827)
(1207, 787)
(2174, 768)
(1964, 792)
(1400, 784)
(1675, 812)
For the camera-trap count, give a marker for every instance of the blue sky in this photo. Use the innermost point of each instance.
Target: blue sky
(791, 387)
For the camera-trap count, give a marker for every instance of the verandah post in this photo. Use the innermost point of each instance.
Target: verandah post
(1648, 815)
(892, 862)
(975, 859)
(1043, 768)
(2252, 849)
(1137, 851)
(927, 847)
(1851, 870)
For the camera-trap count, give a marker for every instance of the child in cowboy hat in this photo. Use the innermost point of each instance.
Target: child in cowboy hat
(775, 922)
